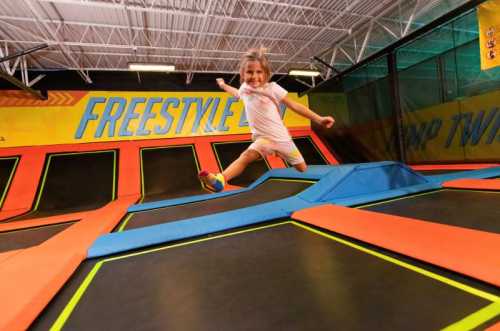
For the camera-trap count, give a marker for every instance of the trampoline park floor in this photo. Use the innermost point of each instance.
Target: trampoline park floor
(284, 275)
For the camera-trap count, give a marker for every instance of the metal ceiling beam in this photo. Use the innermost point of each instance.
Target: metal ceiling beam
(341, 41)
(121, 47)
(230, 16)
(411, 19)
(208, 58)
(24, 52)
(464, 8)
(83, 25)
(20, 57)
(349, 7)
(16, 82)
(53, 34)
(129, 26)
(203, 28)
(310, 8)
(179, 12)
(365, 42)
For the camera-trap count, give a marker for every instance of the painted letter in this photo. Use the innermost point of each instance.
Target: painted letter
(456, 120)
(182, 119)
(227, 112)
(107, 116)
(88, 115)
(200, 112)
(142, 131)
(165, 114)
(209, 124)
(130, 115)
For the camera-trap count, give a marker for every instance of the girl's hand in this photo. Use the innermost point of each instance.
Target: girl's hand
(220, 82)
(327, 121)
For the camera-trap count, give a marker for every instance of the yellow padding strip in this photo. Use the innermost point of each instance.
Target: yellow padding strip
(298, 180)
(63, 317)
(476, 319)
(424, 193)
(196, 241)
(125, 222)
(424, 272)
(400, 198)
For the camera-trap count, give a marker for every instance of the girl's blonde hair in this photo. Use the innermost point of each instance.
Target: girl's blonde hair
(255, 54)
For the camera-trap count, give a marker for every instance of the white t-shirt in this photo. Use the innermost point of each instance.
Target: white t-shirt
(261, 108)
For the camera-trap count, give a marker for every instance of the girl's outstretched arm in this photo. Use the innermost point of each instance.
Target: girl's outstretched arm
(228, 88)
(326, 121)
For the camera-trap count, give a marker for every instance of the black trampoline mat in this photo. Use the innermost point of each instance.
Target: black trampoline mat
(75, 182)
(7, 168)
(228, 152)
(170, 172)
(278, 277)
(270, 190)
(19, 239)
(477, 210)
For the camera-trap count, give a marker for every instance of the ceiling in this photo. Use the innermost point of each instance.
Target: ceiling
(205, 36)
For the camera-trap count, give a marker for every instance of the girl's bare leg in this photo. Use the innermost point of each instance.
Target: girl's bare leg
(238, 165)
(301, 167)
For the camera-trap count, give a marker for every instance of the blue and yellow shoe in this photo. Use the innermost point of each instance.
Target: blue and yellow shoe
(213, 182)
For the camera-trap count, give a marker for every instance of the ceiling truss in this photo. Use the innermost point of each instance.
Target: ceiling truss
(206, 36)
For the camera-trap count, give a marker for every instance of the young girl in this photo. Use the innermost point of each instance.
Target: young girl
(261, 99)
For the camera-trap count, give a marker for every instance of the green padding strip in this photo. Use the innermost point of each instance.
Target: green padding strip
(42, 185)
(11, 175)
(396, 199)
(476, 319)
(63, 317)
(448, 281)
(113, 193)
(125, 222)
(195, 241)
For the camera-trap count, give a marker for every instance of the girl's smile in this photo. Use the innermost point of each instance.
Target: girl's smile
(254, 74)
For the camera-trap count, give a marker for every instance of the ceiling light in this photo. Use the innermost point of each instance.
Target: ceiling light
(303, 72)
(151, 67)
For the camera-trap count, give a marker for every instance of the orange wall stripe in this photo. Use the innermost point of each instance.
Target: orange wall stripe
(466, 251)
(55, 98)
(206, 156)
(129, 170)
(479, 184)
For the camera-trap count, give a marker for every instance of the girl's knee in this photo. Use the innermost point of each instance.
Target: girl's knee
(301, 167)
(249, 156)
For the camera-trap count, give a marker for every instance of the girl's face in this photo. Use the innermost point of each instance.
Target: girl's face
(253, 74)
